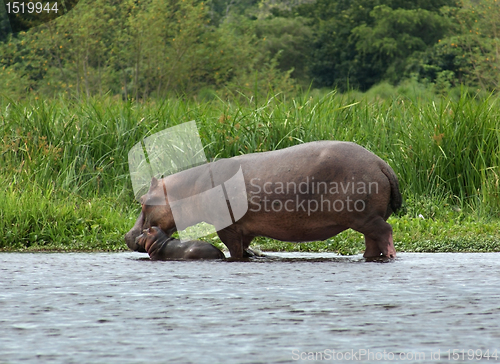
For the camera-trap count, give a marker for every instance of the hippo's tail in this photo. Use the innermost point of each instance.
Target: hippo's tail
(396, 199)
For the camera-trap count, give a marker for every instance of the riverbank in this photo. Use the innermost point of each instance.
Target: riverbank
(35, 220)
(64, 183)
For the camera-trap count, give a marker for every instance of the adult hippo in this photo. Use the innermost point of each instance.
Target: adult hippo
(308, 192)
(161, 247)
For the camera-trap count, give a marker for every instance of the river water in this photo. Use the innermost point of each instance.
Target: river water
(123, 308)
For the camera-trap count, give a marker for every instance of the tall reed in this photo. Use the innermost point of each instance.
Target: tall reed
(438, 147)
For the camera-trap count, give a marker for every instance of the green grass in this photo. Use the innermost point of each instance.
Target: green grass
(64, 181)
(33, 219)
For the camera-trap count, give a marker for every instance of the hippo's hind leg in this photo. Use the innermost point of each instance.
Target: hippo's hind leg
(232, 239)
(378, 239)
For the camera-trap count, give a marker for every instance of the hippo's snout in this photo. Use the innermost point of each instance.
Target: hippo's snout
(132, 239)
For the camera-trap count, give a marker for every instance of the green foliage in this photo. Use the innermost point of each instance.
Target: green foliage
(60, 155)
(470, 53)
(288, 40)
(5, 28)
(394, 36)
(43, 219)
(155, 49)
(137, 50)
(359, 43)
(438, 146)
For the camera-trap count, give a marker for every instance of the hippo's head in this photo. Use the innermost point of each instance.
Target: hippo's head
(150, 236)
(155, 212)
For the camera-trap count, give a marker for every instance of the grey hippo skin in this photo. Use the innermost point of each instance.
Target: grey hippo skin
(352, 187)
(160, 247)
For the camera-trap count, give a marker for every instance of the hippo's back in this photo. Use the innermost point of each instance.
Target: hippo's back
(314, 158)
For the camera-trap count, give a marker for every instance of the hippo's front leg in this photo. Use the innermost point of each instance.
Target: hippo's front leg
(233, 240)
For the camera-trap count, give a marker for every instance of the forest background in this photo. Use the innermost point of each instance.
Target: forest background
(157, 48)
(414, 82)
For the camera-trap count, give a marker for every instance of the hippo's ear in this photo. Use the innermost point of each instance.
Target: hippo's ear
(154, 183)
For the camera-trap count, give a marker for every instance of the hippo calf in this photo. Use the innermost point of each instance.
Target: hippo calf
(308, 192)
(161, 247)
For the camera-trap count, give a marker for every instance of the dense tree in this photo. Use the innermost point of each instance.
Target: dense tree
(138, 48)
(288, 39)
(361, 42)
(5, 28)
(154, 48)
(470, 54)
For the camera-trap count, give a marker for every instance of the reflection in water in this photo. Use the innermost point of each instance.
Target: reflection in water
(122, 308)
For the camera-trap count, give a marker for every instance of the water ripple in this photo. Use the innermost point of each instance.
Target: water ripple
(122, 308)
